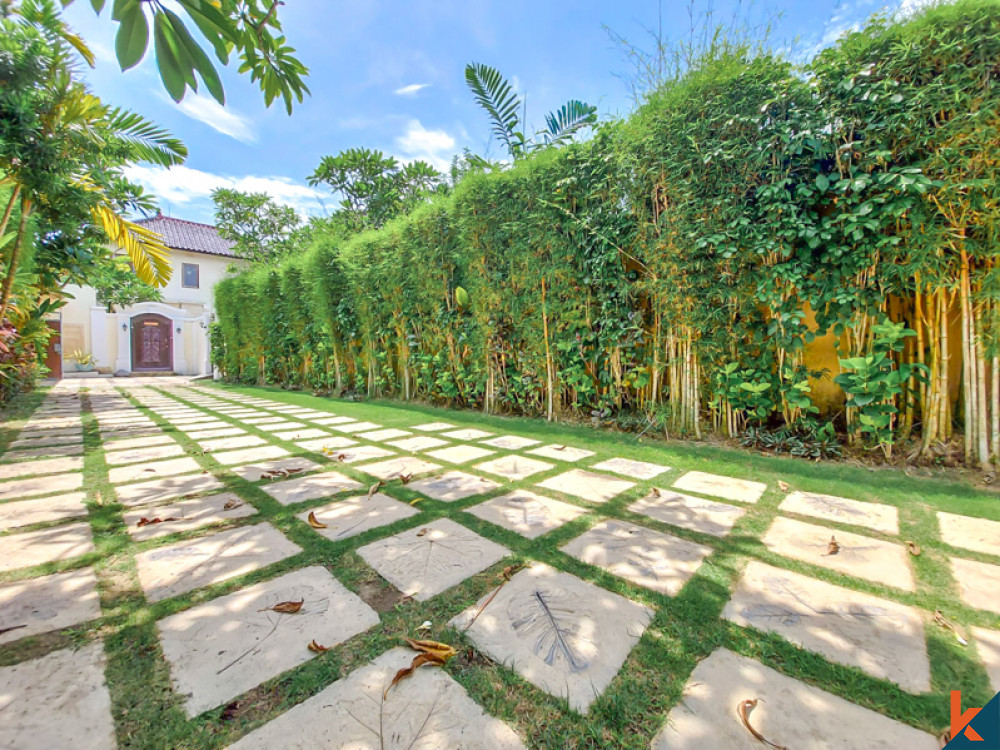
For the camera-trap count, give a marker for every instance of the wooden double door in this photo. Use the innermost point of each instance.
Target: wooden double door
(152, 343)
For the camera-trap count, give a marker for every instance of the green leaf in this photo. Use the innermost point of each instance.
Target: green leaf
(166, 59)
(133, 34)
(200, 60)
(822, 183)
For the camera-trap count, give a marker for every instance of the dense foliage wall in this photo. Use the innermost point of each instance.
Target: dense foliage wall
(681, 265)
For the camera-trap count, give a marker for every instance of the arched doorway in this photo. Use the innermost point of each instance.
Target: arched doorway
(152, 343)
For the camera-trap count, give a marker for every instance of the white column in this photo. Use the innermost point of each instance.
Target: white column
(123, 361)
(206, 357)
(180, 362)
(99, 317)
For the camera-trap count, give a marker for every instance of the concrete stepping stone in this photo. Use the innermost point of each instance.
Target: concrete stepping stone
(356, 515)
(355, 427)
(332, 420)
(42, 466)
(859, 556)
(332, 443)
(561, 452)
(514, 468)
(57, 701)
(433, 426)
(427, 711)
(357, 453)
(17, 513)
(965, 532)
(224, 647)
(453, 485)
(629, 468)
(49, 451)
(261, 420)
(647, 558)
(978, 583)
(151, 453)
(41, 440)
(728, 488)
(597, 488)
(135, 472)
(162, 490)
(511, 442)
(688, 512)
(526, 513)
(418, 443)
(186, 515)
(215, 433)
(49, 545)
(129, 444)
(881, 637)
(380, 435)
(300, 489)
(422, 562)
(564, 635)
(230, 443)
(33, 432)
(200, 419)
(268, 469)
(185, 566)
(250, 455)
(988, 645)
(41, 605)
(467, 434)
(789, 713)
(399, 467)
(459, 454)
(875, 516)
(309, 433)
(281, 426)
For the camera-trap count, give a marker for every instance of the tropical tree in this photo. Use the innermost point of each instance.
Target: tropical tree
(117, 285)
(496, 95)
(259, 225)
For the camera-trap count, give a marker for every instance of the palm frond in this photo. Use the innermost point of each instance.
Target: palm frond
(496, 95)
(145, 141)
(145, 248)
(564, 122)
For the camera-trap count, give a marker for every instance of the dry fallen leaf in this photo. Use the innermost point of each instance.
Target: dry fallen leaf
(315, 647)
(415, 500)
(656, 492)
(913, 548)
(232, 504)
(425, 625)
(744, 709)
(832, 548)
(941, 620)
(430, 652)
(375, 488)
(510, 570)
(405, 478)
(315, 522)
(783, 486)
(418, 661)
(559, 447)
(150, 521)
(285, 608)
(423, 531)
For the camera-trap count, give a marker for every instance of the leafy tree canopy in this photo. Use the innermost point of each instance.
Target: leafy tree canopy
(260, 226)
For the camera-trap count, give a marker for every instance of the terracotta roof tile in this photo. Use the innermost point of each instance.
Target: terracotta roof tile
(190, 235)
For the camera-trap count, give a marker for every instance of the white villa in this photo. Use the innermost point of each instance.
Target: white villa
(154, 337)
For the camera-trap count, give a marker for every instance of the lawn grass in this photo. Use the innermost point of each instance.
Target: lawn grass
(685, 629)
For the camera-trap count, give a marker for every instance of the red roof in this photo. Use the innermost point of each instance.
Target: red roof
(190, 236)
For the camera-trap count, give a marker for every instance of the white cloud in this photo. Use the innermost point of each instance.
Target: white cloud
(192, 187)
(433, 146)
(410, 90)
(228, 122)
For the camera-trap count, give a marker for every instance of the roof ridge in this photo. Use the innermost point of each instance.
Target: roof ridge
(182, 221)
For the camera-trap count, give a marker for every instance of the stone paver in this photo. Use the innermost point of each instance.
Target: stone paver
(597, 488)
(272, 469)
(399, 467)
(149, 453)
(526, 513)
(564, 635)
(250, 455)
(459, 454)
(427, 711)
(647, 558)
(309, 433)
(135, 472)
(186, 515)
(17, 488)
(17, 513)
(988, 645)
(876, 635)
(424, 561)
(332, 420)
(216, 433)
(161, 490)
(231, 443)
(45, 451)
(467, 434)
(514, 468)
(310, 487)
(129, 444)
(48, 545)
(42, 439)
(54, 602)
(256, 420)
(511, 442)
(453, 485)
(875, 516)
(358, 453)
(433, 426)
(281, 426)
(965, 532)
(789, 714)
(43, 466)
(978, 583)
(629, 468)
(417, 443)
(728, 488)
(178, 568)
(328, 443)
(57, 701)
(356, 515)
(379, 435)
(226, 646)
(560, 452)
(356, 427)
(860, 556)
(688, 512)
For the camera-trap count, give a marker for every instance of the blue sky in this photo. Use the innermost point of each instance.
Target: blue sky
(388, 74)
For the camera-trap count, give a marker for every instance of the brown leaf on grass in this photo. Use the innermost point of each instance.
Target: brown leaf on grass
(913, 548)
(315, 522)
(316, 648)
(510, 570)
(832, 548)
(743, 710)
(405, 478)
(441, 650)
(375, 488)
(655, 492)
(285, 608)
(150, 521)
(783, 486)
(232, 504)
(941, 620)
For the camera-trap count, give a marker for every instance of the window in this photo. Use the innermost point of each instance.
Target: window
(189, 275)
